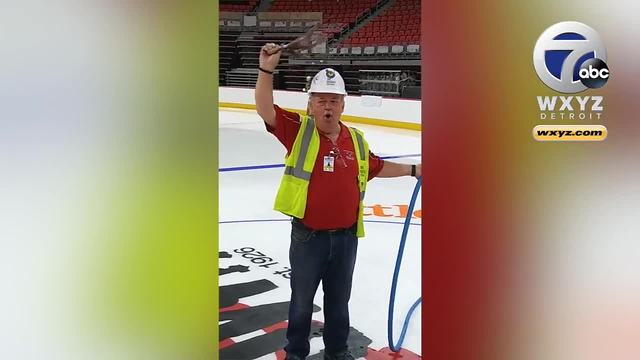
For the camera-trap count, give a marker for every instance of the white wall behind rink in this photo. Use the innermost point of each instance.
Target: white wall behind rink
(373, 107)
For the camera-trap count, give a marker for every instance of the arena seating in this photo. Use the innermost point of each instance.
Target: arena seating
(398, 24)
(237, 6)
(227, 53)
(340, 12)
(382, 58)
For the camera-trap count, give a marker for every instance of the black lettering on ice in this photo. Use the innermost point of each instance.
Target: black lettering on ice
(253, 318)
(232, 269)
(231, 294)
(262, 345)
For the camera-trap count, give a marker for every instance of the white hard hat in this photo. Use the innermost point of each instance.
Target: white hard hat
(327, 81)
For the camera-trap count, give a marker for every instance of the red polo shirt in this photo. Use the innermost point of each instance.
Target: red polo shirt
(333, 196)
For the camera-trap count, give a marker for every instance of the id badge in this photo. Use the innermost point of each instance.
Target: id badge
(328, 163)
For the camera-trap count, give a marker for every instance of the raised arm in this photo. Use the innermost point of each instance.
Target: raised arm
(269, 58)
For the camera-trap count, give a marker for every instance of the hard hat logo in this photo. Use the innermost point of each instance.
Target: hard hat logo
(330, 73)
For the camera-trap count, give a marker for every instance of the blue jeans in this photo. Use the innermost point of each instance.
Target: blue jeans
(328, 256)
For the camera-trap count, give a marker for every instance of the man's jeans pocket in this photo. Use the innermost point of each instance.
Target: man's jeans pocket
(299, 233)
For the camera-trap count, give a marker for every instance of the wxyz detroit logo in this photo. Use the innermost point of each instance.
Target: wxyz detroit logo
(562, 133)
(269, 321)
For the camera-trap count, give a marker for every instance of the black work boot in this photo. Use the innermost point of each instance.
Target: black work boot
(343, 355)
(292, 357)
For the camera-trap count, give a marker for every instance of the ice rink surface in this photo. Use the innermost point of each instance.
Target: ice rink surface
(254, 245)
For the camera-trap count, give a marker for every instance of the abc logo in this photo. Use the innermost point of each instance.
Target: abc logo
(594, 73)
(569, 57)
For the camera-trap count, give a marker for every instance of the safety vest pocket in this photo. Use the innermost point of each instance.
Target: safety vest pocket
(292, 196)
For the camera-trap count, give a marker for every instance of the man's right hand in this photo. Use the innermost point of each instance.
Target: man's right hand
(270, 56)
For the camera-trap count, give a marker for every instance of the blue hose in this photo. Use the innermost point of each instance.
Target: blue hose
(394, 283)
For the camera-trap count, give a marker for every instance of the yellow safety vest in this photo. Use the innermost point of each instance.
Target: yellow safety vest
(292, 194)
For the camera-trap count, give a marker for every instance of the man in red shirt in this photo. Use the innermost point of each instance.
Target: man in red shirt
(324, 242)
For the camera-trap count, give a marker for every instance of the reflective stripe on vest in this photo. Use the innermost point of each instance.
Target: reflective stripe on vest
(298, 170)
(362, 155)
